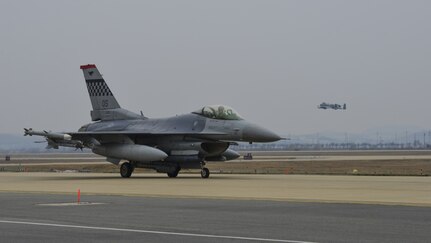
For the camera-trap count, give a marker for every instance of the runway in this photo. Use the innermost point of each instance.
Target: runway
(156, 219)
(41, 207)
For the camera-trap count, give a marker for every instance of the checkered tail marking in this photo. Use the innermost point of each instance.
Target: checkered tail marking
(98, 88)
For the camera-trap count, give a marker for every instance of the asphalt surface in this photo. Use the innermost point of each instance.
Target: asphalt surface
(156, 219)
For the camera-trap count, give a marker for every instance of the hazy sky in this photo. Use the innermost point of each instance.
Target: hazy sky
(273, 61)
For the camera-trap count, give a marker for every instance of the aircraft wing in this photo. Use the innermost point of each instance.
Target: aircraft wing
(76, 135)
(137, 133)
(78, 139)
(86, 137)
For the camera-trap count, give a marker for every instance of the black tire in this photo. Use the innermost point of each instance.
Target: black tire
(126, 170)
(174, 173)
(205, 173)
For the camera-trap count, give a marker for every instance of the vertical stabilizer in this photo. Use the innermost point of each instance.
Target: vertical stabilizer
(105, 106)
(100, 95)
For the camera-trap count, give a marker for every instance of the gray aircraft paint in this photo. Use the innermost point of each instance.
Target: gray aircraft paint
(164, 144)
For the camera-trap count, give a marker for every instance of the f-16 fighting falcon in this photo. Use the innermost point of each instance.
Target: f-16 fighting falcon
(166, 145)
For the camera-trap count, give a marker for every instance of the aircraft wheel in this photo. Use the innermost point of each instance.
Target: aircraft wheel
(126, 170)
(205, 173)
(174, 173)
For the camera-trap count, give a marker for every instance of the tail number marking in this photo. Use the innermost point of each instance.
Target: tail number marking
(105, 103)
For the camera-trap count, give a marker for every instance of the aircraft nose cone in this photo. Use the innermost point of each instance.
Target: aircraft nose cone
(255, 133)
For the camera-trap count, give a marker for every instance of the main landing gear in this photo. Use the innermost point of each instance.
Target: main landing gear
(174, 173)
(126, 169)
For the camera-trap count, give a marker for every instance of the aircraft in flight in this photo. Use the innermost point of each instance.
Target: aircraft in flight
(325, 106)
(166, 145)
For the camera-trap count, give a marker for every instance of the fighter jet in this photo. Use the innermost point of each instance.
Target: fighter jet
(331, 106)
(166, 145)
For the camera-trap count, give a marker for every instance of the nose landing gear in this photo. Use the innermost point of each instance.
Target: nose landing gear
(205, 173)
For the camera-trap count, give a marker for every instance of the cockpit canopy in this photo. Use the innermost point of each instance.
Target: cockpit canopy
(220, 112)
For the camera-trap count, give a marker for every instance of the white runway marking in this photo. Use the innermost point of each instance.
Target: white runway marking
(151, 232)
(69, 204)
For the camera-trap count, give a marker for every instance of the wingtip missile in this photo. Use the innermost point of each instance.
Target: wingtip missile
(27, 131)
(52, 135)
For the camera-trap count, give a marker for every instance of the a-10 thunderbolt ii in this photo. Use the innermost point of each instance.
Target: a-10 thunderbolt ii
(325, 106)
(166, 145)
